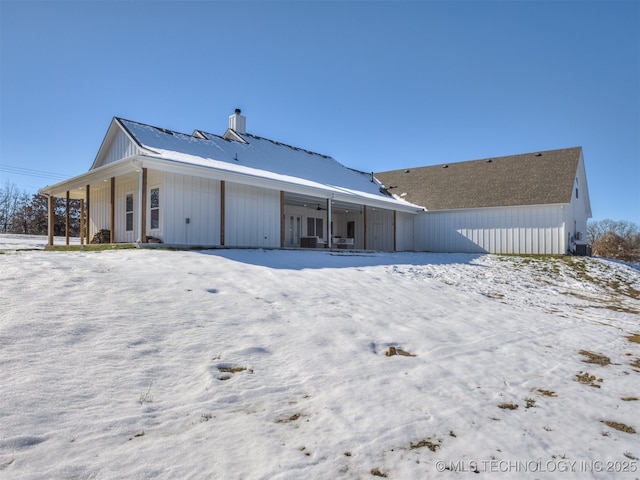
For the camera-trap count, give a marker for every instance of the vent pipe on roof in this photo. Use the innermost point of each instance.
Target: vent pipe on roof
(238, 123)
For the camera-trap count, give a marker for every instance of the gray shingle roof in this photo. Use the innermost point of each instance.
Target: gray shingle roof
(537, 178)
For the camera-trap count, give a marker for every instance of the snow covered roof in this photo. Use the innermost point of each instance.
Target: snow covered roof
(255, 156)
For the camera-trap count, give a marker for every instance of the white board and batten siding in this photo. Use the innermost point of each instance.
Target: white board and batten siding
(380, 229)
(120, 147)
(252, 216)
(100, 208)
(404, 231)
(100, 200)
(576, 214)
(507, 230)
(189, 210)
(127, 185)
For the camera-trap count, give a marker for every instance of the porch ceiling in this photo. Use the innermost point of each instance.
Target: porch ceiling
(308, 201)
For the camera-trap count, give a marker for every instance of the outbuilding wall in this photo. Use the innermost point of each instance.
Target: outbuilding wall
(508, 230)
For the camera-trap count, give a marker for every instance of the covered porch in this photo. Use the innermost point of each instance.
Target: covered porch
(132, 199)
(312, 222)
(93, 192)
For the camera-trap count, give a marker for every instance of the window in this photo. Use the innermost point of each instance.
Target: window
(576, 192)
(129, 212)
(315, 227)
(155, 208)
(351, 229)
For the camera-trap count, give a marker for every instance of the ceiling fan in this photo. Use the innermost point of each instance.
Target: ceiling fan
(320, 208)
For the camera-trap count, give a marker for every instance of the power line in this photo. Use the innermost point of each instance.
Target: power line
(32, 173)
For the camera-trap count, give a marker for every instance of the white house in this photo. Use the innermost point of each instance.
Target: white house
(535, 203)
(149, 184)
(238, 190)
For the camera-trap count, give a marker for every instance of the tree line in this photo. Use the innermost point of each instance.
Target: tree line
(24, 213)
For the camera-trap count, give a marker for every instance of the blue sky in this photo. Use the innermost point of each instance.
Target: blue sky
(378, 85)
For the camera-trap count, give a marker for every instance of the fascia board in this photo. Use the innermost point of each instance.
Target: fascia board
(475, 209)
(96, 175)
(584, 187)
(76, 185)
(106, 141)
(115, 126)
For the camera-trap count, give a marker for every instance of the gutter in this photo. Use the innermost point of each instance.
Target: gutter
(92, 176)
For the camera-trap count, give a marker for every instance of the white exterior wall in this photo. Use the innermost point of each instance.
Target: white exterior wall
(126, 185)
(252, 216)
(379, 229)
(100, 208)
(510, 230)
(121, 147)
(197, 199)
(99, 204)
(404, 232)
(156, 180)
(576, 214)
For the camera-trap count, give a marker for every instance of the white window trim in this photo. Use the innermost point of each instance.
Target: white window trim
(132, 212)
(159, 208)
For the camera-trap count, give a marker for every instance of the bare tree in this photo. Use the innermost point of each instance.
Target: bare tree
(10, 202)
(618, 239)
(33, 216)
(28, 214)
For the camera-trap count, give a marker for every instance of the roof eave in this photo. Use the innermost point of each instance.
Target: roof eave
(538, 205)
(284, 184)
(76, 185)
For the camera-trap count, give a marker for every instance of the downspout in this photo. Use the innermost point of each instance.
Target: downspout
(329, 215)
(49, 219)
(138, 168)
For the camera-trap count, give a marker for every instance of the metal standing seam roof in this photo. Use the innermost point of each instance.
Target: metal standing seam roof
(264, 157)
(538, 178)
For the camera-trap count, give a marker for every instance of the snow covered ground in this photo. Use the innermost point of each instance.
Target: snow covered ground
(27, 242)
(257, 364)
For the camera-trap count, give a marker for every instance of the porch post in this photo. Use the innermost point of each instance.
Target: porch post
(139, 216)
(365, 226)
(81, 234)
(66, 220)
(51, 221)
(88, 225)
(222, 210)
(282, 221)
(143, 207)
(112, 211)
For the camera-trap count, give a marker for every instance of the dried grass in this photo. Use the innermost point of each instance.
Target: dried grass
(619, 426)
(595, 358)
